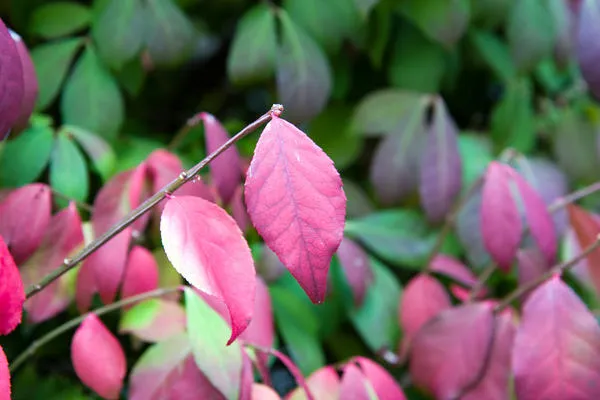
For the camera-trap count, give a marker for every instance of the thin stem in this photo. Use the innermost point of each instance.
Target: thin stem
(147, 205)
(557, 269)
(184, 131)
(87, 207)
(481, 280)
(573, 197)
(33, 347)
(450, 221)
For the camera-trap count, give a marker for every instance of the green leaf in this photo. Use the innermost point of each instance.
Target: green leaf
(169, 33)
(490, 13)
(476, 154)
(332, 131)
(23, 159)
(52, 61)
(328, 25)
(102, 156)
(513, 119)
(58, 19)
(417, 63)
(387, 111)
(68, 171)
(303, 73)
(377, 318)
(531, 33)
(444, 21)
(132, 76)
(400, 237)
(119, 31)
(208, 334)
(299, 326)
(253, 52)
(154, 320)
(365, 6)
(379, 34)
(92, 99)
(495, 53)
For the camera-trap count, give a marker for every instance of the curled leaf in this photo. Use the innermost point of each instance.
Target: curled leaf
(98, 358)
(12, 294)
(296, 202)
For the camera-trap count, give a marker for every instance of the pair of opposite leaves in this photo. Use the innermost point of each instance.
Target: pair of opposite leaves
(295, 200)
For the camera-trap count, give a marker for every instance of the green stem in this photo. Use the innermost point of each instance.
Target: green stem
(33, 347)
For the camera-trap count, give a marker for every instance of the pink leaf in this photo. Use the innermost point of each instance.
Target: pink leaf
(449, 351)
(63, 236)
(117, 198)
(98, 358)
(532, 264)
(324, 384)
(207, 248)
(451, 267)
(263, 392)
(296, 202)
(85, 287)
(383, 383)
(4, 377)
(494, 385)
(538, 218)
(30, 84)
(12, 294)
(11, 81)
(587, 229)
(500, 220)
(261, 331)
(238, 209)
(154, 320)
(423, 298)
(561, 338)
(141, 272)
(289, 364)
(167, 371)
(24, 216)
(441, 166)
(357, 268)
(354, 385)
(226, 170)
(247, 380)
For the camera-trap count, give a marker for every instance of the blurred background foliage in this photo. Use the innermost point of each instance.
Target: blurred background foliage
(119, 78)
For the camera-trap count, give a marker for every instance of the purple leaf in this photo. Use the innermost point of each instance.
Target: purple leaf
(11, 81)
(556, 354)
(30, 84)
(588, 47)
(441, 166)
(357, 268)
(532, 264)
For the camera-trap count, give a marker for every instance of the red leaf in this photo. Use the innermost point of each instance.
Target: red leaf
(587, 229)
(261, 331)
(296, 202)
(167, 371)
(207, 248)
(451, 267)
(11, 81)
(4, 377)
(423, 298)
(117, 198)
(538, 218)
(500, 221)
(85, 287)
(30, 84)
(354, 385)
(532, 264)
(561, 338)
(384, 385)
(141, 273)
(449, 351)
(98, 358)
(63, 236)
(495, 383)
(324, 384)
(24, 216)
(441, 166)
(263, 392)
(226, 170)
(238, 209)
(12, 294)
(357, 268)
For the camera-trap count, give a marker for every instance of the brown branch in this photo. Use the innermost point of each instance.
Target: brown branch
(147, 205)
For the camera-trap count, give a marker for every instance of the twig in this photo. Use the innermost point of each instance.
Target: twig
(481, 280)
(573, 197)
(33, 347)
(147, 205)
(184, 131)
(557, 269)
